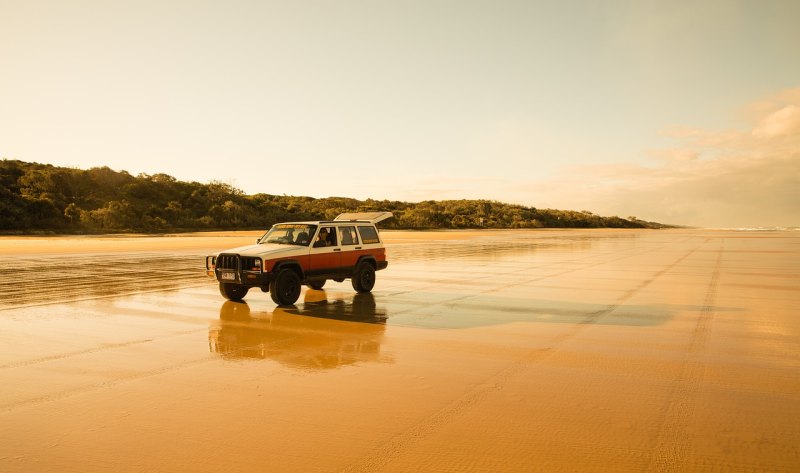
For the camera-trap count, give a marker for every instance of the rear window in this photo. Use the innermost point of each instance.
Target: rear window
(368, 235)
(347, 235)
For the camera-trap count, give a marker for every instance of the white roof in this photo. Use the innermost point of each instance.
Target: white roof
(371, 217)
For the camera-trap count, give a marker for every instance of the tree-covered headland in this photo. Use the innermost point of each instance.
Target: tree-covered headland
(45, 198)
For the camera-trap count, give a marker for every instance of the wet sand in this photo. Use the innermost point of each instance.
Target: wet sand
(587, 350)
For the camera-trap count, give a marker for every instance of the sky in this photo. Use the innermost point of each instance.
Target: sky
(678, 111)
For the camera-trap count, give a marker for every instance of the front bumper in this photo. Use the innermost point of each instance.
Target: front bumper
(246, 278)
(227, 268)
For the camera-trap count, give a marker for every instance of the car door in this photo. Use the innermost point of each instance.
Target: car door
(325, 255)
(350, 244)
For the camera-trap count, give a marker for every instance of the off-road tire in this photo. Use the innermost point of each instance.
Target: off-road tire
(318, 285)
(285, 288)
(233, 292)
(364, 277)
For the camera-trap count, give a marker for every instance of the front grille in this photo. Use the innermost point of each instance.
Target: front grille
(248, 263)
(228, 262)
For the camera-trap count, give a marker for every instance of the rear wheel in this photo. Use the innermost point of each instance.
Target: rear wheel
(317, 285)
(285, 288)
(364, 277)
(233, 292)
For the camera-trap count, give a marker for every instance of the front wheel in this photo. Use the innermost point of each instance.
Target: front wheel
(364, 278)
(285, 288)
(233, 292)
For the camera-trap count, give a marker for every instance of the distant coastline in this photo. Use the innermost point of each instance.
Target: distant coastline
(45, 199)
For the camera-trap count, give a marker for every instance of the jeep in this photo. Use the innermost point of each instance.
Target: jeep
(295, 253)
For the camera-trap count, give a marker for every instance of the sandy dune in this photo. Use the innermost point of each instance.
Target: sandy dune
(590, 350)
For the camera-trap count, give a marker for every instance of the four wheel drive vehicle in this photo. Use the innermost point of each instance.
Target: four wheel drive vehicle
(294, 253)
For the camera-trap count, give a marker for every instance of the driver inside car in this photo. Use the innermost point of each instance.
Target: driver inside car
(323, 239)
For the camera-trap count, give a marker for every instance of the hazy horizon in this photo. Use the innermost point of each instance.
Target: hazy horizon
(677, 112)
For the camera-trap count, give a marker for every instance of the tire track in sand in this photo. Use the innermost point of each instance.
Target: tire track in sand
(380, 457)
(454, 301)
(37, 281)
(104, 347)
(47, 398)
(672, 443)
(110, 383)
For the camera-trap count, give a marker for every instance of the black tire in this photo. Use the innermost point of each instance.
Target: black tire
(233, 292)
(317, 284)
(285, 288)
(364, 277)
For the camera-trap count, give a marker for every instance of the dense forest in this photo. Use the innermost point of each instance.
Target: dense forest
(37, 198)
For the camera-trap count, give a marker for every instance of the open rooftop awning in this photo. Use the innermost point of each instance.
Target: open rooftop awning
(372, 217)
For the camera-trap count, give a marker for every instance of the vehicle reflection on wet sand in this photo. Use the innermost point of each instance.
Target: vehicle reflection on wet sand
(320, 334)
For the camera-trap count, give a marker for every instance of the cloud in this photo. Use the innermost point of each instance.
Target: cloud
(717, 178)
(745, 177)
(783, 122)
(676, 155)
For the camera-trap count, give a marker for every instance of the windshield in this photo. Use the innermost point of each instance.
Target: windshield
(289, 234)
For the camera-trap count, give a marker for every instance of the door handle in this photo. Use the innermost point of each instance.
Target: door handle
(337, 249)
(358, 247)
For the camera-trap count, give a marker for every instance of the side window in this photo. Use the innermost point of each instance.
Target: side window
(348, 235)
(368, 235)
(326, 237)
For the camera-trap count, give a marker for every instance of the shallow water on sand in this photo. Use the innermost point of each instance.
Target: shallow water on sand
(589, 350)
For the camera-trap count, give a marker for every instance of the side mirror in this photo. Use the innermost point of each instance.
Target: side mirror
(258, 240)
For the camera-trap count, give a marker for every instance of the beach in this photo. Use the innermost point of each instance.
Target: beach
(519, 350)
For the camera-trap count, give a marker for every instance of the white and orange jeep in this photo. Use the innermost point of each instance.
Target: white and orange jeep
(294, 253)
